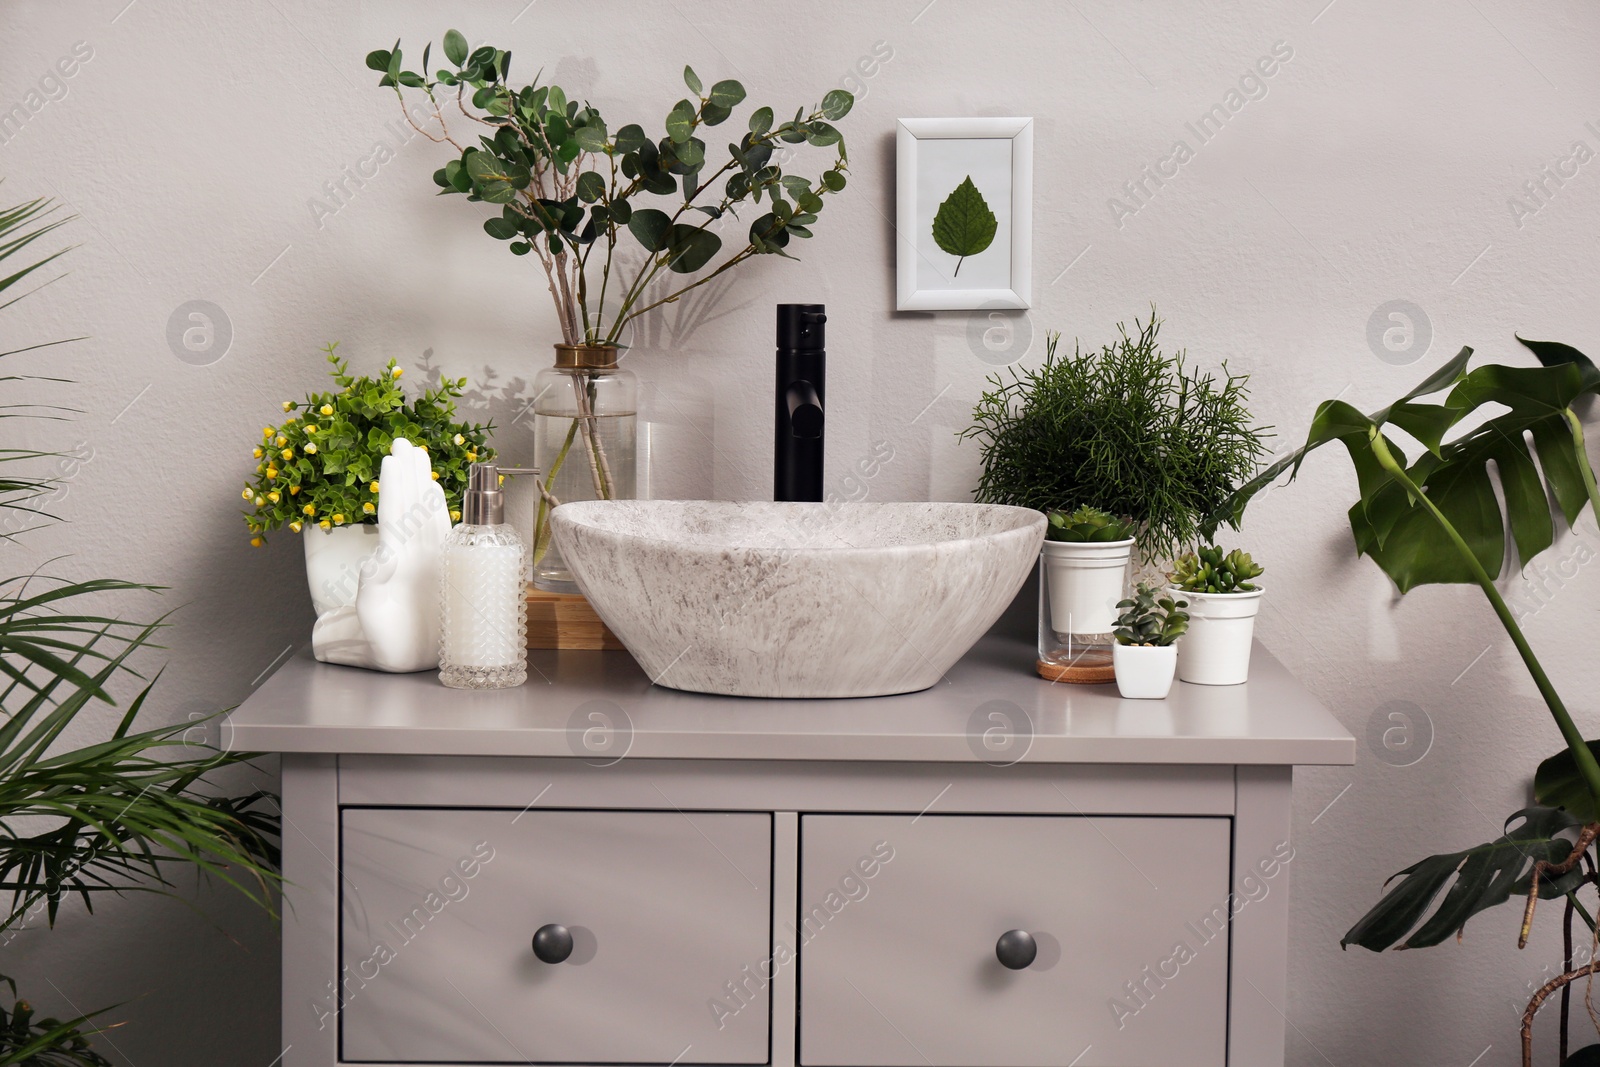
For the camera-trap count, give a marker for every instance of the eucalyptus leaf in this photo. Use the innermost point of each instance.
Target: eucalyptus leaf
(727, 93)
(761, 120)
(691, 80)
(836, 104)
(556, 128)
(714, 114)
(651, 227)
(680, 122)
(692, 248)
(500, 229)
(591, 186)
(591, 138)
(834, 180)
(455, 47)
(631, 138)
(379, 60)
(691, 155)
(822, 134)
(495, 179)
(964, 226)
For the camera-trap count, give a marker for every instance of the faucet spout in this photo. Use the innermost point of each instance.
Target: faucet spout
(798, 408)
(805, 410)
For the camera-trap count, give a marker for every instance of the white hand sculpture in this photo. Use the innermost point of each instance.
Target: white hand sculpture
(393, 625)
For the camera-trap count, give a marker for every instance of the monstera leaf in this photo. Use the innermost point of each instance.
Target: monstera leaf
(964, 225)
(1535, 419)
(1559, 784)
(1485, 876)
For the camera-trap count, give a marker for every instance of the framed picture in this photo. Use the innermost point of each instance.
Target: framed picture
(964, 215)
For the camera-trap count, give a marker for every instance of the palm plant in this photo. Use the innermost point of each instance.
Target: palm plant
(115, 816)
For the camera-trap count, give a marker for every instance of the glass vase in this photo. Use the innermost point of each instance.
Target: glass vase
(585, 443)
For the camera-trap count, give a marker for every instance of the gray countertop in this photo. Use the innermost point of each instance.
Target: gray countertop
(600, 705)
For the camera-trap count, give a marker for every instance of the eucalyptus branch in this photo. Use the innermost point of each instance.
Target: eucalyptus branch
(563, 204)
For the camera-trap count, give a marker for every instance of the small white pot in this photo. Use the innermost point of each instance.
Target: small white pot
(1216, 648)
(333, 563)
(1086, 579)
(1144, 672)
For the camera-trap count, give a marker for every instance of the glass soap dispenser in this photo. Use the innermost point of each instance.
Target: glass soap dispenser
(483, 631)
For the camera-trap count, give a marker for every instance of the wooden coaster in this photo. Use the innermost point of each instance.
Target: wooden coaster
(565, 620)
(1092, 667)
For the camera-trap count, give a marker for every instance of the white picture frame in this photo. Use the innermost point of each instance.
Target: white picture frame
(929, 153)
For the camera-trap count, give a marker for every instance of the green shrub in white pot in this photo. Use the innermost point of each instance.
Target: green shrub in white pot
(1223, 601)
(1146, 653)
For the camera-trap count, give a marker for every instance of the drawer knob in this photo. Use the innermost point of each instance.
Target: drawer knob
(552, 943)
(1016, 949)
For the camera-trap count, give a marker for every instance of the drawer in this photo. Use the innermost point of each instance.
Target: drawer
(665, 910)
(900, 915)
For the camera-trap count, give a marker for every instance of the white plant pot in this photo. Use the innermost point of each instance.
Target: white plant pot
(333, 563)
(1144, 672)
(1216, 648)
(1086, 579)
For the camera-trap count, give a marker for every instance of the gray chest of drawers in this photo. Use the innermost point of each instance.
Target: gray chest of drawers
(589, 870)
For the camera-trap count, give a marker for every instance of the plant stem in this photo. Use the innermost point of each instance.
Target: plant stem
(599, 468)
(1583, 912)
(1582, 453)
(541, 522)
(1576, 744)
(744, 254)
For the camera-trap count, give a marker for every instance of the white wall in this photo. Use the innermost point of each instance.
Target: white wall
(1377, 167)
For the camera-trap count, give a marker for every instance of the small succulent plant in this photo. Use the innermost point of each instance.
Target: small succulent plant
(1207, 570)
(1149, 619)
(1087, 524)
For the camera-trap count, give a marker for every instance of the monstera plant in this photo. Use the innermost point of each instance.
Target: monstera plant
(1436, 518)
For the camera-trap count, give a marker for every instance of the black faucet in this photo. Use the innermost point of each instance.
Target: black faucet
(797, 406)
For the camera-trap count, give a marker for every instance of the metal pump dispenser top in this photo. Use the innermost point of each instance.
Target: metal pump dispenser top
(484, 501)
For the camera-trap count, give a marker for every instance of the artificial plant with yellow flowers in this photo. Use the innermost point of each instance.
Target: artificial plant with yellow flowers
(320, 466)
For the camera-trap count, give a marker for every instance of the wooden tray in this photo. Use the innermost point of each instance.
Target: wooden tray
(565, 620)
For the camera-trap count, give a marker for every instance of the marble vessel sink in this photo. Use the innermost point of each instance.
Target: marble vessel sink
(797, 600)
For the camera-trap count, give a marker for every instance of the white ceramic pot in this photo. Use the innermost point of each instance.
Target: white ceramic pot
(1216, 648)
(1086, 579)
(1144, 672)
(333, 563)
